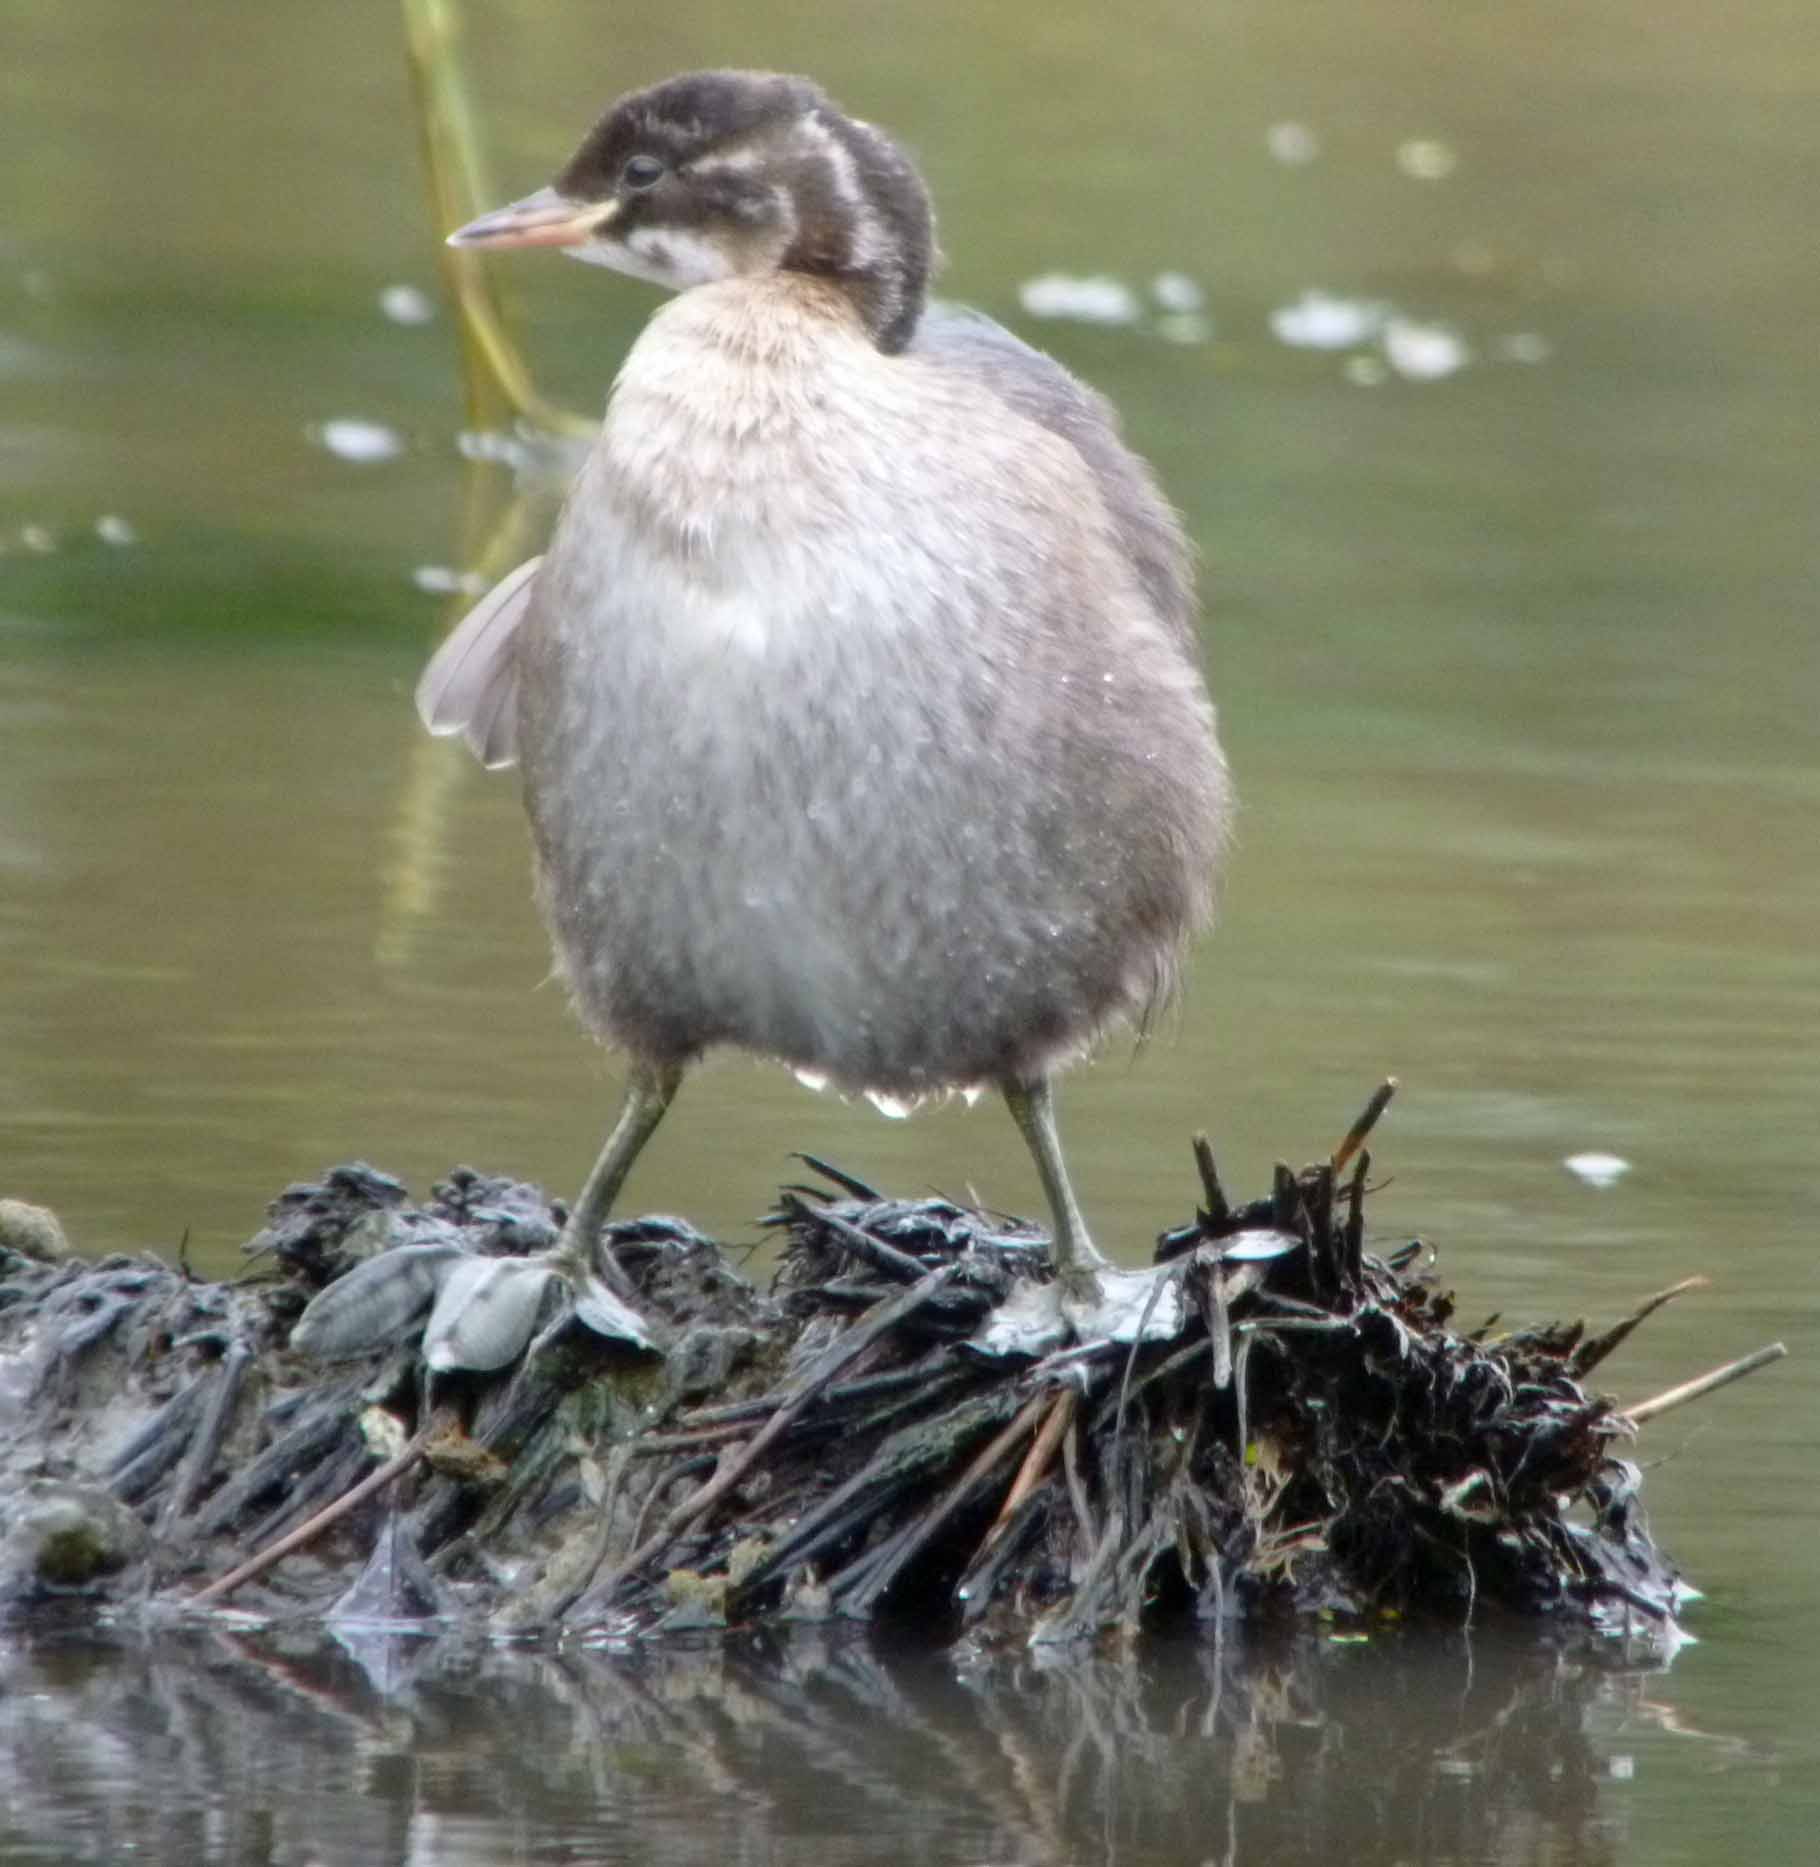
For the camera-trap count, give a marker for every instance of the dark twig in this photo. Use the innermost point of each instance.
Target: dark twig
(896, 1264)
(1317, 1194)
(845, 1181)
(1036, 1463)
(1216, 1210)
(911, 1457)
(844, 1393)
(1595, 1348)
(918, 1535)
(850, 1344)
(1703, 1385)
(980, 1582)
(313, 1527)
(1077, 1490)
(160, 1443)
(199, 1461)
(1368, 1120)
(1354, 1236)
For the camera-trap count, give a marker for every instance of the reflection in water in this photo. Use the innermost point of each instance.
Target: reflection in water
(821, 1748)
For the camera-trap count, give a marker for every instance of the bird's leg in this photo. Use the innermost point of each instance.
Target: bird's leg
(1077, 1261)
(650, 1088)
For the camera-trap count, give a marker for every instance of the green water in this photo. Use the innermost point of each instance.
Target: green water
(1518, 664)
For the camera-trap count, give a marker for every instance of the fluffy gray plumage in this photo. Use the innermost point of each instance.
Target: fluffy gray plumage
(856, 697)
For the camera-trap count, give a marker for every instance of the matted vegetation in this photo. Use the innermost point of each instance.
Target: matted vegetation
(1281, 1421)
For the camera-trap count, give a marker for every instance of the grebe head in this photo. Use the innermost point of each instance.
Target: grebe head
(723, 174)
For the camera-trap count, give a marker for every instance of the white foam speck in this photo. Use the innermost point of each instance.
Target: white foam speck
(445, 580)
(1175, 291)
(1426, 159)
(488, 444)
(1184, 327)
(112, 529)
(38, 538)
(1325, 321)
(1597, 1169)
(405, 304)
(1424, 352)
(1523, 347)
(363, 442)
(1293, 144)
(1099, 299)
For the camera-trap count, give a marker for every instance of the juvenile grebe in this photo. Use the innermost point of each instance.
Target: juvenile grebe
(857, 695)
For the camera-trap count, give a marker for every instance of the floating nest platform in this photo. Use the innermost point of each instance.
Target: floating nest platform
(1281, 1421)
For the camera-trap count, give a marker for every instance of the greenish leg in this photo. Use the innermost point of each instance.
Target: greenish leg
(649, 1093)
(1077, 1261)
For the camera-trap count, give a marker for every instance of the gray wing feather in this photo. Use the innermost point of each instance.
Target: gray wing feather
(1037, 387)
(471, 684)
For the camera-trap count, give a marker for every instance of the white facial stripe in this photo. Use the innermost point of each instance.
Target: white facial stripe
(679, 256)
(840, 160)
(786, 212)
(597, 253)
(675, 257)
(868, 245)
(740, 161)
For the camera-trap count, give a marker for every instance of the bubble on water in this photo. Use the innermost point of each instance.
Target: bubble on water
(1175, 291)
(1424, 352)
(1597, 1169)
(1523, 347)
(18, 358)
(363, 442)
(446, 580)
(1324, 321)
(1293, 144)
(1478, 259)
(489, 444)
(112, 529)
(405, 304)
(1184, 327)
(1426, 159)
(1098, 299)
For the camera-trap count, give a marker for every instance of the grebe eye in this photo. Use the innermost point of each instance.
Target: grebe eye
(642, 172)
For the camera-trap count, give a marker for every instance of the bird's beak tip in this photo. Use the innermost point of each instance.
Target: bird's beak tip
(545, 218)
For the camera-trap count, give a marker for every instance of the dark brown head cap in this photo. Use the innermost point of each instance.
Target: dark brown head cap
(762, 171)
